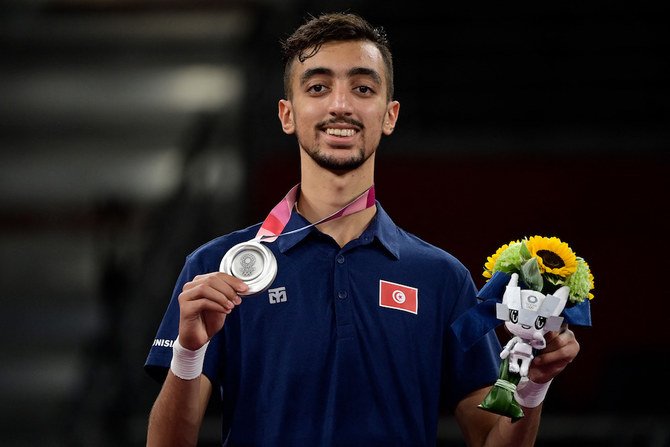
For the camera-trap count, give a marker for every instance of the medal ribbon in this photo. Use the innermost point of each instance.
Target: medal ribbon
(274, 224)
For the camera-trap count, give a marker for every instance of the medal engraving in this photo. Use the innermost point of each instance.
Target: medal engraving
(246, 264)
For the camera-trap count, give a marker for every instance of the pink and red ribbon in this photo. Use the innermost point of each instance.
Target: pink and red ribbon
(276, 221)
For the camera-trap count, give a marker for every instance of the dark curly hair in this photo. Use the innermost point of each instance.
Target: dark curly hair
(307, 40)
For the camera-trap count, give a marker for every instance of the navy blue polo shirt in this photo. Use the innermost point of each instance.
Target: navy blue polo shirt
(348, 347)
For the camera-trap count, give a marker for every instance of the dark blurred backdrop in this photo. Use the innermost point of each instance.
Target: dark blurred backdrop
(133, 131)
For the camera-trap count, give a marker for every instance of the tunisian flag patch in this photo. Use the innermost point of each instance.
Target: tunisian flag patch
(398, 296)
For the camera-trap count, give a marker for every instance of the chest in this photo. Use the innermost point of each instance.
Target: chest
(327, 299)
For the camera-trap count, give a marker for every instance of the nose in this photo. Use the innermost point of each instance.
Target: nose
(340, 103)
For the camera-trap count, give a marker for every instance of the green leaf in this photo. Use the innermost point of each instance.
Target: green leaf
(530, 274)
(556, 280)
(524, 252)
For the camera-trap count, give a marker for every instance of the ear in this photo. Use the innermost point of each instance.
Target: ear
(285, 108)
(391, 117)
(562, 295)
(512, 295)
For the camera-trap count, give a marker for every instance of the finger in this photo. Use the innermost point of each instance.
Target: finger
(226, 284)
(556, 340)
(562, 355)
(550, 336)
(195, 308)
(545, 368)
(553, 334)
(219, 280)
(221, 294)
(235, 283)
(221, 283)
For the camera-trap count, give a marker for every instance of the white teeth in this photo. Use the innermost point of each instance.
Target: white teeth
(341, 132)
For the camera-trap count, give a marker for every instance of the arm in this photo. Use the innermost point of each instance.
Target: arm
(481, 428)
(179, 409)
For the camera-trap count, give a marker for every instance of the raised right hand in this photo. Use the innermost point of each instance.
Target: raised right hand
(203, 305)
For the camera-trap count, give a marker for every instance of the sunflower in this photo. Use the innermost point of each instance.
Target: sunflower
(553, 256)
(543, 261)
(491, 260)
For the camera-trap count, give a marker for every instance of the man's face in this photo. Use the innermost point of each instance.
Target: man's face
(338, 107)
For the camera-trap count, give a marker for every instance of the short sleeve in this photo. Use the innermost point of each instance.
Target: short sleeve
(205, 259)
(160, 352)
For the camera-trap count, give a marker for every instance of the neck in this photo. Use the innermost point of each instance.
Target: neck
(326, 193)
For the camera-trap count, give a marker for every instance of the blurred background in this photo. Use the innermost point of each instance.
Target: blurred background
(133, 131)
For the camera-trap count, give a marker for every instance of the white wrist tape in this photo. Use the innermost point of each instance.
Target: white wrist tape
(187, 364)
(531, 394)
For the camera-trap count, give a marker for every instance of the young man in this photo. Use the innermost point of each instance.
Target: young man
(350, 344)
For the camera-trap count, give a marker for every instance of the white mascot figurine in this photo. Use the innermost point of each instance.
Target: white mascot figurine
(528, 315)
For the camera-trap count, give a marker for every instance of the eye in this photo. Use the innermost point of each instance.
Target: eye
(514, 316)
(540, 322)
(316, 89)
(364, 90)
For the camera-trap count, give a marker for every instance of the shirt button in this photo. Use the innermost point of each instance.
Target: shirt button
(342, 294)
(340, 259)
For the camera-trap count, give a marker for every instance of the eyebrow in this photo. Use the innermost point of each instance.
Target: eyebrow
(356, 71)
(311, 72)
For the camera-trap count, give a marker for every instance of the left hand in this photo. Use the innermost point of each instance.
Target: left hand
(562, 348)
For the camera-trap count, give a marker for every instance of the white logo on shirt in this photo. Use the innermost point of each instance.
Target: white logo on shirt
(163, 343)
(277, 295)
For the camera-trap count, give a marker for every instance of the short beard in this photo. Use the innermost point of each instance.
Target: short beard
(331, 163)
(337, 165)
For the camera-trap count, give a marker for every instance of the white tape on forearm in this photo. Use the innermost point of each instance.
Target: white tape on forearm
(187, 364)
(531, 394)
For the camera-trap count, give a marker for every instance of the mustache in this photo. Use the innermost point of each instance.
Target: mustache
(341, 120)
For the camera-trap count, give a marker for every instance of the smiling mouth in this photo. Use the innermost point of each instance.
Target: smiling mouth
(340, 132)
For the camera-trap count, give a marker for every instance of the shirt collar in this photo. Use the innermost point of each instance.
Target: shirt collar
(381, 228)
(287, 241)
(385, 231)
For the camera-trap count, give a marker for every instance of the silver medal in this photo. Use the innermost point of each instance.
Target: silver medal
(253, 263)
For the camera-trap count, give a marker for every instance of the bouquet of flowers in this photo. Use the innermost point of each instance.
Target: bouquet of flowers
(534, 281)
(544, 264)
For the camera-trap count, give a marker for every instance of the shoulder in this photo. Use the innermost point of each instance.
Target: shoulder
(416, 250)
(445, 283)
(416, 254)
